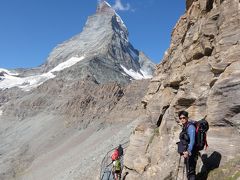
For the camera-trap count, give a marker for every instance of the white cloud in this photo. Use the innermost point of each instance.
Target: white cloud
(119, 6)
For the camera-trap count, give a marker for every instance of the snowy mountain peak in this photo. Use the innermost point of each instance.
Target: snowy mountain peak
(104, 7)
(108, 56)
(105, 44)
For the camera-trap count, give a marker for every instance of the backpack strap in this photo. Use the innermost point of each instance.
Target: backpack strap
(190, 123)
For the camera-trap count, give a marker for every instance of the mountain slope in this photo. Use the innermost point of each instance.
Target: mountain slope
(59, 119)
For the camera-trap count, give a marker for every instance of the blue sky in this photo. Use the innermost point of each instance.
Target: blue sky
(30, 29)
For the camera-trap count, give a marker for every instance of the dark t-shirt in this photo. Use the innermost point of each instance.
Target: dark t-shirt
(120, 150)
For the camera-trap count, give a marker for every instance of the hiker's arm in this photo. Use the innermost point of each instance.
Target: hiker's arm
(191, 134)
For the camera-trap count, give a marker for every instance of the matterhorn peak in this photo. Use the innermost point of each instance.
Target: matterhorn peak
(104, 45)
(104, 7)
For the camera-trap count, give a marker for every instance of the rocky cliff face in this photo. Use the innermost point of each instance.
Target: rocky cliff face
(59, 120)
(199, 73)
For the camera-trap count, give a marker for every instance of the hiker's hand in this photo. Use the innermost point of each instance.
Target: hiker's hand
(185, 154)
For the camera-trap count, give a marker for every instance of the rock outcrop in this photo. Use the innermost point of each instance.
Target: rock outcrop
(199, 73)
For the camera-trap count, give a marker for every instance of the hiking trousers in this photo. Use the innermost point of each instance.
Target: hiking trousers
(191, 163)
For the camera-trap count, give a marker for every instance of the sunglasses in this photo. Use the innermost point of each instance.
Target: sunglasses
(182, 117)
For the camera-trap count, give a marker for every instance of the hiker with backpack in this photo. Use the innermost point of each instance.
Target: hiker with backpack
(120, 150)
(192, 140)
(115, 154)
(117, 169)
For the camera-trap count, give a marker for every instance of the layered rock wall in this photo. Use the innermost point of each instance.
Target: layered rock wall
(199, 73)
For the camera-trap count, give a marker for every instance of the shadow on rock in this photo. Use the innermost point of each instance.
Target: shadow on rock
(124, 176)
(209, 163)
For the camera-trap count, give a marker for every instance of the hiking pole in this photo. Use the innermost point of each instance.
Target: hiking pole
(186, 166)
(178, 166)
(183, 169)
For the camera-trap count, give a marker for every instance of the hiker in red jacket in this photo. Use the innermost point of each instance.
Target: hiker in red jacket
(115, 155)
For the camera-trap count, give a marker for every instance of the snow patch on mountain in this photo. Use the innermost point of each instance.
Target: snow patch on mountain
(8, 72)
(136, 75)
(145, 74)
(120, 21)
(133, 54)
(67, 64)
(107, 4)
(10, 80)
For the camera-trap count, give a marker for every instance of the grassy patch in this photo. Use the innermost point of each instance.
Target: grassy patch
(230, 171)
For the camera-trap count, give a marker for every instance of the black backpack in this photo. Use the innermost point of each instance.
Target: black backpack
(200, 136)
